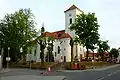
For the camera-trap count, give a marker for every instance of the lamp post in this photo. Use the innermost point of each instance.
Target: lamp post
(8, 58)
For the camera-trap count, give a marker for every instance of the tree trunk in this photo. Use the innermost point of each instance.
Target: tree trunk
(72, 53)
(87, 54)
(93, 55)
(102, 56)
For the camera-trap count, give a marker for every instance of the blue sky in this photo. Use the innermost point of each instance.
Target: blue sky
(51, 12)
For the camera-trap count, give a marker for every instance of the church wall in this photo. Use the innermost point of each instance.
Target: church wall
(78, 12)
(65, 49)
(69, 14)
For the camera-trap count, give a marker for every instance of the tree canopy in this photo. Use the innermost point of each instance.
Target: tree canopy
(86, 28)
(18, 29)
(114, 52)
(102, 48)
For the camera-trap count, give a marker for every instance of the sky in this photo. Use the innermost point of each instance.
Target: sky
(51, 13)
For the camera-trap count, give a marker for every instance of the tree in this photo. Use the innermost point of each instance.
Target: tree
(114, 52)
(86, 28)
(102, 48)
(18, 28)
(93, 48)
(42, 42)
(71, 44)
(49, 56)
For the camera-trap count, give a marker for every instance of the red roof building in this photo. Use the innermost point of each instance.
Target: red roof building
(58, 34)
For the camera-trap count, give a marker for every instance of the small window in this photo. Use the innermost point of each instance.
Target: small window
(35, 52)
(70, 20)
(58, 49)
(30, 52)
(69, 14)
(55, 54)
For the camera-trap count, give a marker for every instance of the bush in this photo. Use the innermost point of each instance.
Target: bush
(34, 65)
(86, 65)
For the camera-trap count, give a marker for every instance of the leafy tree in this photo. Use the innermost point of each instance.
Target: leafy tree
(102, 48)
(93, 48)
(18, 29)
(86, 28)
(114, 52)
(42, 42)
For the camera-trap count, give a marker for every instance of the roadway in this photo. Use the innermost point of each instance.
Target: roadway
(107, 74)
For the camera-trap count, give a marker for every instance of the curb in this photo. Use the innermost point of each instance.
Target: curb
(5, 70)
(100, 69)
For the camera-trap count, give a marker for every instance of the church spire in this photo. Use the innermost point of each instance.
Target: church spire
(42, 29)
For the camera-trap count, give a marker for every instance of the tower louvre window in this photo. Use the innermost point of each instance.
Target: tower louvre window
(70, 20)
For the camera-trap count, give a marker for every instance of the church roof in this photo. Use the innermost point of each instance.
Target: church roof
(57, 35)
(73, 7)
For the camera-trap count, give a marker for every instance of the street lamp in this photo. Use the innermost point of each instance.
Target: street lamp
(8, 58)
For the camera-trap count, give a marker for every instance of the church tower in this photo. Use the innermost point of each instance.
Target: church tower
(70, 15)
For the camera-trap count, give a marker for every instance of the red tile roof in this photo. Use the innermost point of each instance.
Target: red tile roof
(73, 7)
(57, 35)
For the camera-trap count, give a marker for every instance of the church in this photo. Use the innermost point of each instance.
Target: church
(62, 40)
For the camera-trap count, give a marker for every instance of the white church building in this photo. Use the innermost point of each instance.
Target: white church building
(62, 40)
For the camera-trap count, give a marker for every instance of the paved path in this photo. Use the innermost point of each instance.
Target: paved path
(31, 77)
(110, 73)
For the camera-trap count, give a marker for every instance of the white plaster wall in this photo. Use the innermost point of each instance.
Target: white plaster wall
(78, 12)
(38, 53)
(55, 49)
(74, 14)
(67, 24)
(65, 49)
(32, 56)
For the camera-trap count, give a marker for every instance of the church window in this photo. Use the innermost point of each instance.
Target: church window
(58, 49)
(70, 20)
(55, 54)
(35, 52)
(30, 52)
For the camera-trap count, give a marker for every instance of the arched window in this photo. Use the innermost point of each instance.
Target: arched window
(70, 20)
(35, 52)
(58, 49)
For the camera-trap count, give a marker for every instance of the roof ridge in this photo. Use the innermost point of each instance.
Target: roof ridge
(72, 7)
